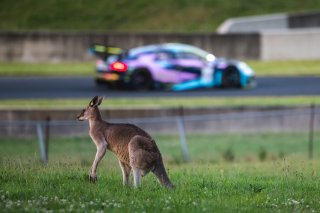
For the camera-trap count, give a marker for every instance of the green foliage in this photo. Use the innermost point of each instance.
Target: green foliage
(141, 15)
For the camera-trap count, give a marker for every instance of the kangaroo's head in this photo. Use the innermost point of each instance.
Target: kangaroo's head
(91, 110)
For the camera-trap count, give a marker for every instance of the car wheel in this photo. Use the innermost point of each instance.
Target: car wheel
(113, 85)
(142, 80)
(231, 77)
(99, 82)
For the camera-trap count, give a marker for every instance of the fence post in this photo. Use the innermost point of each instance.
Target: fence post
(311, 130)
(182, 134)
(42, 145)
(47, 137)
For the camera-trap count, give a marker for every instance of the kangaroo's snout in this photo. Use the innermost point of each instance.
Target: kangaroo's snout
(80, 116)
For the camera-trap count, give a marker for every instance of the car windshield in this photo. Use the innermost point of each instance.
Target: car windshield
(187, 50)
(135, 52)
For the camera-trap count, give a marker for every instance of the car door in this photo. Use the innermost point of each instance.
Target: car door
(188, 66)
(166, 72)
(177, 67)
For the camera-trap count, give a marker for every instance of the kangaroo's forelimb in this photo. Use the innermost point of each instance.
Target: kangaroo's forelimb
(101, 150)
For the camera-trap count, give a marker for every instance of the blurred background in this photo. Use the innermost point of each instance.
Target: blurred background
(47, 77)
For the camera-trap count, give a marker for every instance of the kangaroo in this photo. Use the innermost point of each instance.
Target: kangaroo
(135, 149)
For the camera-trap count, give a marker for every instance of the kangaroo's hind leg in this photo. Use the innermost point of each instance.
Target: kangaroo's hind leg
(136, 177)
(125, 172)
(143, 154)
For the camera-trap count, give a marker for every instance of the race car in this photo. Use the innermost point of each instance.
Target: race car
(171, 66)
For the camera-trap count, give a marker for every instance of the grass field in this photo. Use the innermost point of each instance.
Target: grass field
(47, 69)
(141, 15)
(158, 102)
(285, 182)
(262, 68)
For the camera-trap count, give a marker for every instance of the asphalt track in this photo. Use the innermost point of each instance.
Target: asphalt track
(84, 87)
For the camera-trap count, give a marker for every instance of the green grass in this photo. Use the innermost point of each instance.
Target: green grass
(286, 68)
(285, 186)
(262, 68)
(141, 15)
(159, 102)
(289, 184)
(46, 69)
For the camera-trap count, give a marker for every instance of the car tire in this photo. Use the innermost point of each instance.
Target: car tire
(231, 77)
(142, 80)
(99, 82)
(113, 86)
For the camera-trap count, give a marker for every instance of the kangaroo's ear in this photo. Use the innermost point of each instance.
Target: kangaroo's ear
(94, 101)
(99, 100)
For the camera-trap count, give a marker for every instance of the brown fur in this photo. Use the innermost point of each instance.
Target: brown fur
(135, 149)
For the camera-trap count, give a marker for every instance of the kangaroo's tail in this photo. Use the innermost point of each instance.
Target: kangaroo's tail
(162, 176)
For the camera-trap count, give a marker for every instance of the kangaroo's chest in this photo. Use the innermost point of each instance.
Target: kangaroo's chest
(98, 138)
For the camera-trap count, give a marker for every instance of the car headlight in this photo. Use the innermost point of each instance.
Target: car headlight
(245, 68)
(210, 57)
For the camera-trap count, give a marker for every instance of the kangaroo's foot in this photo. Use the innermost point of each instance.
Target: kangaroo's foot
(93, 178)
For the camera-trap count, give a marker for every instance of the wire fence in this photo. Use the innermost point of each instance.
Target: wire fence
(197, 135)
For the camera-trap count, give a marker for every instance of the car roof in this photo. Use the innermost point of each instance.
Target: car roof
(174, 47)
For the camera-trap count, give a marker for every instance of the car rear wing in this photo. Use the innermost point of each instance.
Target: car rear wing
(103, 51)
